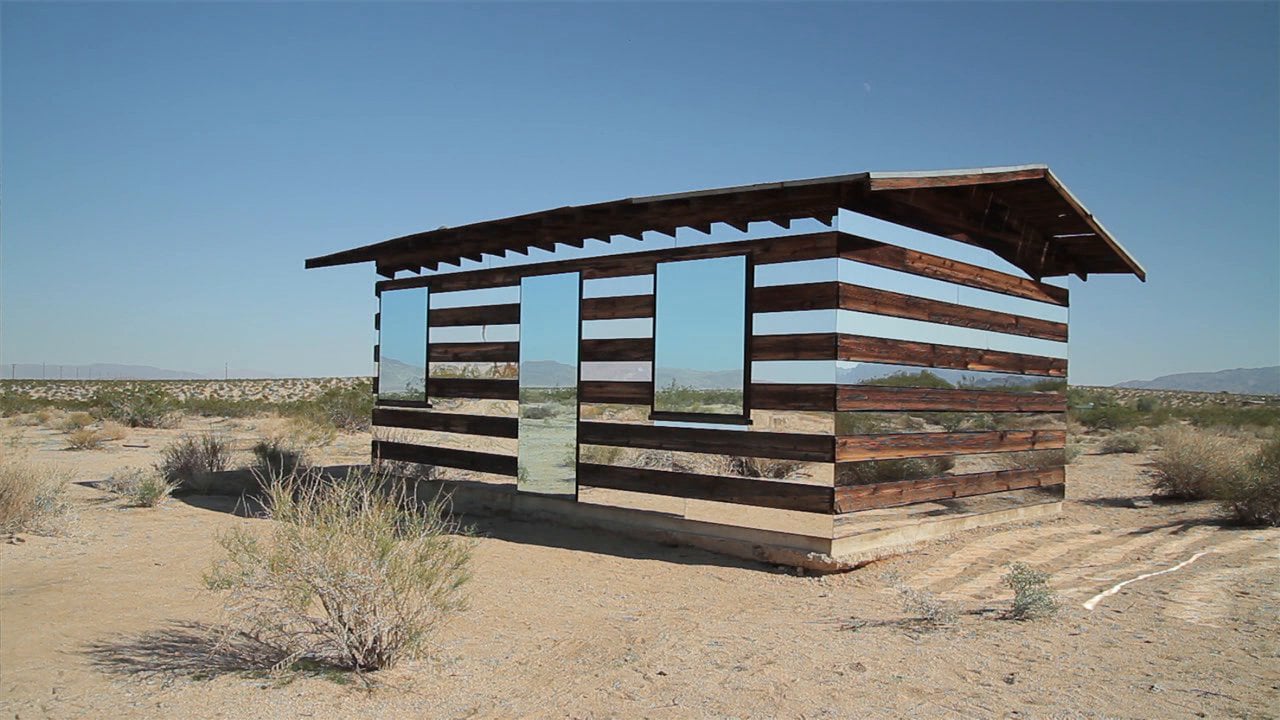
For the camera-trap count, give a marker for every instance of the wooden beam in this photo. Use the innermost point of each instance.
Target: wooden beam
(480, 388)
(616, 307)
(504, 427)
(445, 457)
(744, 443)
(508, 314)
(854, 498)
(475, 352)
(892, 446)
(885, 302)
(861, 348)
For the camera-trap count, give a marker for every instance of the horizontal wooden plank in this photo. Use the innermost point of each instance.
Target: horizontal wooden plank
(892, 399)
(736, 490)
(887, 446)
(473, 388)
(617, 307)
(885, 302)
(795, 298)
(787, 396)
(872, 252)
(611, 391)
(445, 457)
(506, 427)
(617, 350)
(508, 314)
(475, 352)
(764, 251)
(861, 348)
(744, 443)
(854, 498)
(800, 346)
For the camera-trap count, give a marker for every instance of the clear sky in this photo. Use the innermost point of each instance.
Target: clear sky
(167, 167)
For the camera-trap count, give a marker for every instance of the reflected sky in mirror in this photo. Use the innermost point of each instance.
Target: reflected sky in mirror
(402, 345)
(700, 336)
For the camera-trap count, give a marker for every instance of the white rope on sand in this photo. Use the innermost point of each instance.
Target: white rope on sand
(1093, 602)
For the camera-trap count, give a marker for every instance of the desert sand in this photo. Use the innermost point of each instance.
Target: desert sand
(111, 619)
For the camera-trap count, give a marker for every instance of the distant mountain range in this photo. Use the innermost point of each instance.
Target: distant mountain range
(1243, 381)
(113, 371)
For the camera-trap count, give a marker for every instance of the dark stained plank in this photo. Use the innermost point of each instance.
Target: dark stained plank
(781, 446)
(475, 352)
(508, 314)
(617, 350)
(736, 490)
(853, 498)
(793, 298)
(445, 457)
(611, 391)
(885, 302)
(861, 348)
(473, 388)
(892, 399)
(787, 396)
(801, 346)
(886, 446)
(616, 307)
(953, 180)
(764, 251)
(506, 427)
(872, 252)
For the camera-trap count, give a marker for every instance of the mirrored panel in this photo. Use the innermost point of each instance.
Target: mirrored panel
(548, 376)
(402, 345)
(700, 334)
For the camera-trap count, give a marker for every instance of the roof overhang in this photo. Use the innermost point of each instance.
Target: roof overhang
(1023, 213)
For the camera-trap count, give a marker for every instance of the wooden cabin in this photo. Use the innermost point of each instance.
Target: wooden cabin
(745, 369)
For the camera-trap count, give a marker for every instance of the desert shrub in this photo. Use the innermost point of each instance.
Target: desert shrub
(1107, 417)
(345, 408)
(879, 471)
(1251, 495)
(537, 412)
(33, 498)
(1032, 596)
(143, 407)
(1210, 415)
(763, 467)
(306, 432)
(112, 430)
(84, 439)
(1190, 462)
(923, 378)
(143, 487)
(76, 421)
(354, 572)
(224, 407)
(1124, 442)
(922, 606)
(1034, 459)
(188, 457)
(1072, 452)
(600, 454)
(278, 456)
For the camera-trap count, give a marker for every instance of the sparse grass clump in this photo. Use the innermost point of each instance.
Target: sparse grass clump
(142, 487)
(923, 607)
(33, 499)
(1191, 462)
(344, 408)
(191, 456)
(1124, 442)
(354, 572)
(76, 421)
(1032, 596)
(1251, 495)
(84, 439)
(145, 407)
(112, 430)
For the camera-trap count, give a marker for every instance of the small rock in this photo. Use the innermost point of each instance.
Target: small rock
(1141, 502)
(1010, 679)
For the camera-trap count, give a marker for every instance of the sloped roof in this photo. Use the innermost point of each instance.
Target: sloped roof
(1022, 213)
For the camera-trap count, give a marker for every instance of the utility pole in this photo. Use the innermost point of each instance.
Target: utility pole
(225, 371)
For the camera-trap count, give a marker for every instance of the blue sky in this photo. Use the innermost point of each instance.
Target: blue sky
(167, 167)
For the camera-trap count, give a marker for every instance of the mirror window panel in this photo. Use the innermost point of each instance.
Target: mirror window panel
(402, 345)
(548, 379)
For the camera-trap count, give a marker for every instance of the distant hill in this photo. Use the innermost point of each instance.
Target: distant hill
(1244, 381)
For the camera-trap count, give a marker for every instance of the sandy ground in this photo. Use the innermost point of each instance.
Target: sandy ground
(111, 621)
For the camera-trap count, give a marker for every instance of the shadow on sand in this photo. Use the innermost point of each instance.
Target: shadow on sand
(195, 651)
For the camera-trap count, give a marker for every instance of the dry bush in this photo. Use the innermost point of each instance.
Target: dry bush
(600, 454)
(1032, 596)
(278, 456)
(923, 607)
(112, 430)
(33, 498)
(76, 421)
(143, 487)
(306, 432)
(84, 439)
(354, 571)
(763, 467)
(1190, 462)
(1124, 442)
(183, 461)
(1251, 496)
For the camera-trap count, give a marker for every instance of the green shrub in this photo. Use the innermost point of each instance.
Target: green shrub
(1032, 596)
(1124, 442)
(143, 487)
(923, 607)
(1107, 417)
(870, 472)
(537, 412)
(278, 457)
(1251, 496)
(33, 498)
(190, 456)
(146, 407)
(354, 571)
(345, 408)
(923, 378)
(1191, 462)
